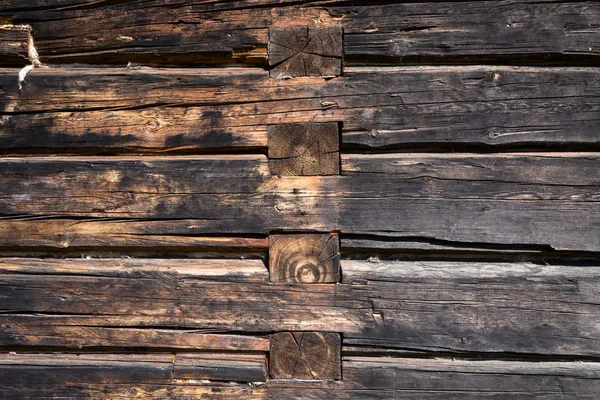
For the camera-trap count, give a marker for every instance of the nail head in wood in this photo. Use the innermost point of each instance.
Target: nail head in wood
(305, 51)
(306, 149)
(304, 258)
(305, 355)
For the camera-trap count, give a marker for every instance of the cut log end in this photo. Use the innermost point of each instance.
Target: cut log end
(305, 51)
(305, 355)
(304, 149)
(307, 258)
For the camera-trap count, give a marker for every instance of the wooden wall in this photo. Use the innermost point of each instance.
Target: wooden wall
(281, 199)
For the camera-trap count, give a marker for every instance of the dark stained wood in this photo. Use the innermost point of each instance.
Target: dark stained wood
(205, 110)
(305, 51)
(455, 307)
(469, 306)
(305, 355)
(537, 199)
(304, 149)
(19, 370)
(306, 258)
(387, 378)
(13, 45)
(473, 30)
(237, 31)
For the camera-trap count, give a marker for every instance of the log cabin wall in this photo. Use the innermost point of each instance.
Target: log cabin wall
(277, 199)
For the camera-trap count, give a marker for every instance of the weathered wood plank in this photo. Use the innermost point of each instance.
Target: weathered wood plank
(370, 378)
(541, 199)
(418, 306)
(391, 378)
(29, 370)
(117, 110)
(117, 235)
(237, 31)
(487, 307)
(473, 30)
(13, 45)
(201, 269)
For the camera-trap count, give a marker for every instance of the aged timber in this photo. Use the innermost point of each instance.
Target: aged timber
(195, 32)
(119, 109)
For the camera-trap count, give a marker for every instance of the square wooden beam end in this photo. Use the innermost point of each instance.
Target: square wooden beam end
(304, 258)
(305, 149)
(305, 355)
(305, 51)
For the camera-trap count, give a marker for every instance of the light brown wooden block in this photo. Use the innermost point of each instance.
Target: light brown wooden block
(305, 258)
(305, 355)
(304, 149)
(305, 51)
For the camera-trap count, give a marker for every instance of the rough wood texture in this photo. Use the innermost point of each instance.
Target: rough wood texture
(391, 378)
(115, 110)
(196, 32)
(419, 306)
(541, 199)
(19, 371)
(304, 149)
(307, 258)
(364, 378)
(305, 355)
(305, 51)
(487, 307)
(13, 45)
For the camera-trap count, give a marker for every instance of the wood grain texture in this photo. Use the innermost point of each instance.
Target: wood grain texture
(306, 258)
(305, 355)
(304, 149)
(18, 371)
(542, 199)
(460, 307)
(197, 32)
(305, 51)
(488, 307)
(387, 378)
(390, 377)
(13, 45)
(120, 110)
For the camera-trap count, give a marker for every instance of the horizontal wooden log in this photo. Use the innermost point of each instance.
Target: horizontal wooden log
(237, 31)
(118, 110)
(538, 199)
(201, 269)
(418, 306)
(13, 45)
(29, 370)
(364, 378)
(452, 306)
(386, 378)
(143, 235)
